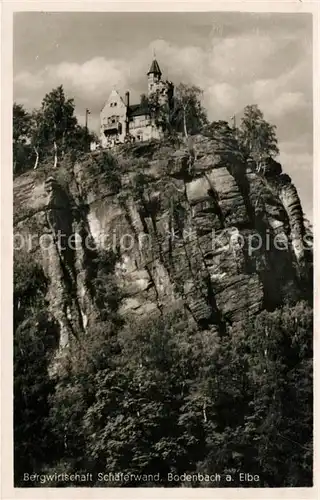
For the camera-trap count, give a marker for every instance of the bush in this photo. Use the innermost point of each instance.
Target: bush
(108, 165)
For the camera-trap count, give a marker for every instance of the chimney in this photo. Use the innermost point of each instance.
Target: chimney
(127, 99)
(127, 103)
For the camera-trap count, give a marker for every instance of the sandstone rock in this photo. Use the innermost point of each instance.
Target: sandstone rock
(185, 243)
(230, 199)
(291, 202)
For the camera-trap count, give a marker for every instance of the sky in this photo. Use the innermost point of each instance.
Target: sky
(236, 58)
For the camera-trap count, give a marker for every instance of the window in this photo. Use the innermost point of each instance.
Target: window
(113, 119)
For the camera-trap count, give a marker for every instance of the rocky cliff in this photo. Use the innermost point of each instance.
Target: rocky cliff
(192, 227)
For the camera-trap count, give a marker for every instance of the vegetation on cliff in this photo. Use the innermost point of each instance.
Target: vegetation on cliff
(52, 131)
(158, 396)
(218, 383)
(47, 133)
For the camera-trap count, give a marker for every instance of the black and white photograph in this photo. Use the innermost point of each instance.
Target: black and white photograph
(162, 167)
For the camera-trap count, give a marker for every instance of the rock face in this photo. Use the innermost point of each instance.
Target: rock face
(196, 229)
(291, 203)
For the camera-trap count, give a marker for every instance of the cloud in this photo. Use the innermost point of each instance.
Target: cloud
(237, 59)
(287, 101)
(227, 69)
(28, 82)
(242, 57)
(222, 98)
(247, 68)
(84, 80)
(276, 98)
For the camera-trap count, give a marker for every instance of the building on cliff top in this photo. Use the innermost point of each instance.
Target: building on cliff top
(122, 122)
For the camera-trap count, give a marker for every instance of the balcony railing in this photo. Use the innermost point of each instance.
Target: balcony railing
(140, 123)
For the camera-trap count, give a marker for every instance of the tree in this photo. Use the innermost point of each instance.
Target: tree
(183, 113)
(35, 341)
(224, 137)
(20, 132)
(21, 122)
(278, 352)
(157, 395)
(52, 130)
(257, 136)
(80, 139)
(59, 120)
(135, 412)
(38, 135)
(189, 115)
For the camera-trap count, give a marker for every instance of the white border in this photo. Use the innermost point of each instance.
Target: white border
(7, 9)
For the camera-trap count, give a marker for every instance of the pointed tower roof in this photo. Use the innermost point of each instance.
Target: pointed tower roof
(154, 68)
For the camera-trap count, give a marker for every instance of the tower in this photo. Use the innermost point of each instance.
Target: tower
(154, 77)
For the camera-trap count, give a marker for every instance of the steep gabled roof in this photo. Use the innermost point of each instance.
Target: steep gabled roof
(154, 68)
(138, 110)
(115, 93)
